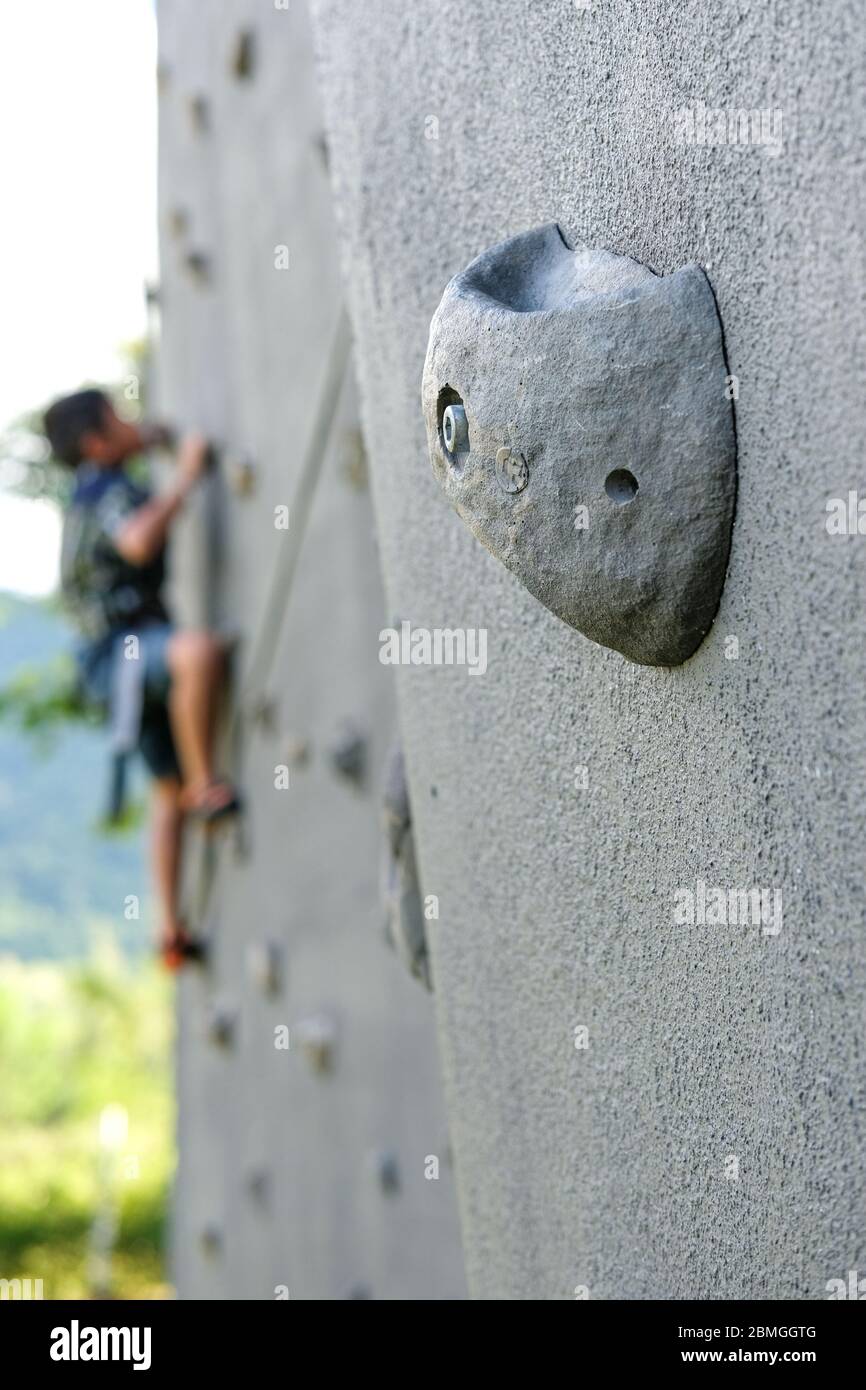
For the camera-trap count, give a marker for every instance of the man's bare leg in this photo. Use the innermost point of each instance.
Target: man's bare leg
(196, 661)
(167, 817)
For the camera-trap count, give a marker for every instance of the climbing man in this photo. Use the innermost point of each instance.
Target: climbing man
(159, 686)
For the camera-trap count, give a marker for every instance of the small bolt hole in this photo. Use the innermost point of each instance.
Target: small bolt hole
(620, 486)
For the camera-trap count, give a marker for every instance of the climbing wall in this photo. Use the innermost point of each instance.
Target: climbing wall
(639, 1108)
(309, 1110)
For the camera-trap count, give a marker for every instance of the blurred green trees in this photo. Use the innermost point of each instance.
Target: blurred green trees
(75, 1039)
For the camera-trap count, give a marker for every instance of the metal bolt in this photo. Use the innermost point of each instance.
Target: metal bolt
(455, 429)
(511, 470)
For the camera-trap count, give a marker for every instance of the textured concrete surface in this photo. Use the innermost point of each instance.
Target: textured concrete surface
(599, 458)
(302, 1170)
(561, 802)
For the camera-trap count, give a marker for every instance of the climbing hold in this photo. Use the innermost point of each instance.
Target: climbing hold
(348, 752)
(178, 222)
(262, 711)
(199, 113)
(197, 263)
(221, 1022)
(243, 57)
(354, 459)
(242, 475)
(386, 1170)
(265, 965)
(297, 751)
(577, 420)
(317, 1036)
(259, 1185)
(211, 1240)
(322, 152)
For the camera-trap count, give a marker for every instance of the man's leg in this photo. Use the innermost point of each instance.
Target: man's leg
(166, 831)
(196, 663)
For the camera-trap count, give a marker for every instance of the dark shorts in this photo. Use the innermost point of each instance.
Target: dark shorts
(155, 742)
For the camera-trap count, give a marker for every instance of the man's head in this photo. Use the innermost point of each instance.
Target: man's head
(86, 426)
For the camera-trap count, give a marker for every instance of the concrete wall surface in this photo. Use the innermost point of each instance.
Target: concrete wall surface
(701, 1134)
(301, 1171)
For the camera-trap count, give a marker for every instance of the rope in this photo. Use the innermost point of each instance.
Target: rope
(265, 645)
(264, 648)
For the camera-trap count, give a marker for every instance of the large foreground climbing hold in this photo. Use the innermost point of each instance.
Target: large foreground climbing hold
(579, 420)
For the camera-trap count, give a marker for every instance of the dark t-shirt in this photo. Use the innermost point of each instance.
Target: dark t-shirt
(103, 593)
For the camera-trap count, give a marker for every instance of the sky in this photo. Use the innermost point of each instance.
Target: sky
(78, 220)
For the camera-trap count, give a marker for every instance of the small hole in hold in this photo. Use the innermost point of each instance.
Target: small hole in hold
(620, 486)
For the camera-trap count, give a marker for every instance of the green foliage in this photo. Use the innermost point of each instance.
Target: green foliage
(39, 699)
(75, 1039)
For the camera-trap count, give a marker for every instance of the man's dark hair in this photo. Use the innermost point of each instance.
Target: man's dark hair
(69, 418)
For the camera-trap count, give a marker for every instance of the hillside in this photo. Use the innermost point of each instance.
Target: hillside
(62, 882)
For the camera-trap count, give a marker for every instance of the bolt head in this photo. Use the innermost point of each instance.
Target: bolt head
(511, 470)
(455, 429)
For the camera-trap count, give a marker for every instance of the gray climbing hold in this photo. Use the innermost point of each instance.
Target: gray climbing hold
(348, 752)
(598, 462)
(211, 1240)
(262, 712)
(386, 1171)
(197, 265)
(221, 1024)
(401, 893)
(259, 1185)
(199, 113)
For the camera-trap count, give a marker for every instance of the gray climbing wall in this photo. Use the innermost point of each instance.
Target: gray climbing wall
(301, 1171)
(701, 1134)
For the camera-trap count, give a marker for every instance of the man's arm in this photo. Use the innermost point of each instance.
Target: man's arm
(143, 534)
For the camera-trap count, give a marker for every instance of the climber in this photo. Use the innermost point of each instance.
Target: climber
(159, 686)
